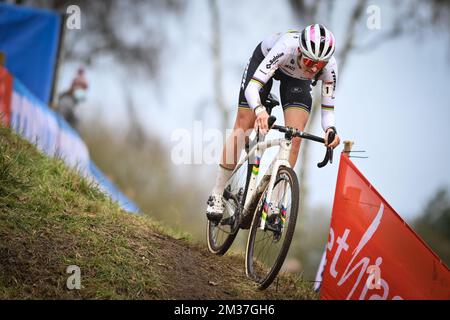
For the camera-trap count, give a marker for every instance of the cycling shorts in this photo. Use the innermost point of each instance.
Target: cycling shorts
(294, 93)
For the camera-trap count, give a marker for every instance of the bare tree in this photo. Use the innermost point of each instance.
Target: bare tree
(433, 225)
(128, 34)
(136, 134)
(216, 49)
(128, 31)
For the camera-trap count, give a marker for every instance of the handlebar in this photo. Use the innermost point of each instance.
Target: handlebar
(292, 132)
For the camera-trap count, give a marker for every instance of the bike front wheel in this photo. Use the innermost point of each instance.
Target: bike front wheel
(267, 248)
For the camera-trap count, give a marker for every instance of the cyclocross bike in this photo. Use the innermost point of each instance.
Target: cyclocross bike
(268, 208)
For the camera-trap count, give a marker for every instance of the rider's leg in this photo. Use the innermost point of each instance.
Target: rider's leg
(296, 101)
(245, 120)
(243, 125)
(297, 118)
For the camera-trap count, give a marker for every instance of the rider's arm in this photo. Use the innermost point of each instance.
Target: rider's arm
(264, 72)
(329, 80)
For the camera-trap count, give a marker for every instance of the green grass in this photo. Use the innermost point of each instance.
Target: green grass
(51, 218)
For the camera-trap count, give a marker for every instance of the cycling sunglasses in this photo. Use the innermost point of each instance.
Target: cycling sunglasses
(311, 63)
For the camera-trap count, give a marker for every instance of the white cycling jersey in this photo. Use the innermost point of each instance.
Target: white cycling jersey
(281, 52)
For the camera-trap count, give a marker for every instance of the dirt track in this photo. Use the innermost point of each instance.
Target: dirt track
(192, 272)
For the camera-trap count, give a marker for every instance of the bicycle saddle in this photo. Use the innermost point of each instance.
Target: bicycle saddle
(271, 102)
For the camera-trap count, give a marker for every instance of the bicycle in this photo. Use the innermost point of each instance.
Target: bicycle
(249, 205)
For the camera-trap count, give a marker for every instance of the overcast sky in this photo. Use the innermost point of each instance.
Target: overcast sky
(391, 101)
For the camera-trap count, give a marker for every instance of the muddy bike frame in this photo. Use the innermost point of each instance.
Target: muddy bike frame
(254, 156)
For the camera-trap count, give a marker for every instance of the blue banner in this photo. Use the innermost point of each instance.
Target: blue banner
(29, 38)
(36, 122)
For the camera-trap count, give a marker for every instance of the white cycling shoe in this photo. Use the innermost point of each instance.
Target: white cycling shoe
(215, 208)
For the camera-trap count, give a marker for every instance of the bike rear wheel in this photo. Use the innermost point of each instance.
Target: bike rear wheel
(220, 235)
(267, 249)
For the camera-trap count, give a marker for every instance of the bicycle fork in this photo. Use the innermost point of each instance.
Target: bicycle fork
(269, 206)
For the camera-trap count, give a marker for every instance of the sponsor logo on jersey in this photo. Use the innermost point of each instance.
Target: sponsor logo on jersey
(287, 66)
(274, 59)
(244, 77)
(265, 73)
(334, 79)
(296, 90)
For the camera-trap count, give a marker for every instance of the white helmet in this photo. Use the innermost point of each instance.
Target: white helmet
(317, 42)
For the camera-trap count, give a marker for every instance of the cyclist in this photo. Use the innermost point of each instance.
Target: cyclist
(298, 60)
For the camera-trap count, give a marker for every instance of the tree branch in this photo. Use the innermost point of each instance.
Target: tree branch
(349, 41)
(217, 62)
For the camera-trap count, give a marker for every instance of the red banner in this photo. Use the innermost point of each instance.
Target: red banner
(372, 253)
(5, 96)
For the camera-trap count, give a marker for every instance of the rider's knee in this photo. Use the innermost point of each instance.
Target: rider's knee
(296, 145)
(244, 119)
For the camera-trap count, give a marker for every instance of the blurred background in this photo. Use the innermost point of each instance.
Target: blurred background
(152, 70)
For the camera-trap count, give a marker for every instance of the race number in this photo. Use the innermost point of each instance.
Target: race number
(328, 89)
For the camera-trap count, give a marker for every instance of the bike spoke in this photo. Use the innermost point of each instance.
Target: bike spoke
(221, 235)
(267, 245)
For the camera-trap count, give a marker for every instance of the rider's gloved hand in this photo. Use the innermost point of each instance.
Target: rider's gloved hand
(261, 119)
(332, 144)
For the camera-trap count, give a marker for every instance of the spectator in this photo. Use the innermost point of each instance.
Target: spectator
(69, 99)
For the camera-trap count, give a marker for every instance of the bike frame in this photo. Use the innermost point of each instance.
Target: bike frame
(281, 159)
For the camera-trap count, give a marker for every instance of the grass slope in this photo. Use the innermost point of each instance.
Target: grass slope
(50, 218)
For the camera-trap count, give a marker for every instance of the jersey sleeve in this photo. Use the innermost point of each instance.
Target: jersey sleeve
(264, 72)
(329, 82)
